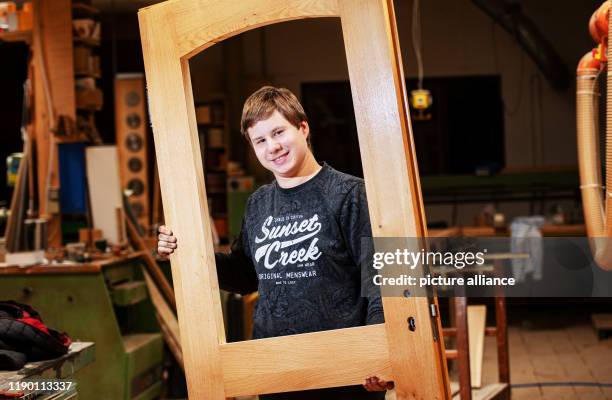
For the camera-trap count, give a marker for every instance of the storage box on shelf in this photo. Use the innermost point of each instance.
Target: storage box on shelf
(16, 23)
(15, 20)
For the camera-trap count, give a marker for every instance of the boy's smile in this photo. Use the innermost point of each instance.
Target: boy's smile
(280, 160)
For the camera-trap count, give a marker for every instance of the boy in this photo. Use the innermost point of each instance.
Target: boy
(300, 244)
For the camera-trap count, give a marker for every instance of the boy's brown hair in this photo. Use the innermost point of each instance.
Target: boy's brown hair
(262, 104)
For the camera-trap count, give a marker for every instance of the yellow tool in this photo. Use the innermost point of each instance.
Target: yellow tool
(12, 166)
(421, 101)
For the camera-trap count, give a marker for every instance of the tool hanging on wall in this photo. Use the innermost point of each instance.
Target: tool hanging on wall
(420, 99)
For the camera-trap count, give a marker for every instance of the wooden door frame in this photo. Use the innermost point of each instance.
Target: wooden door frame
(174, 31)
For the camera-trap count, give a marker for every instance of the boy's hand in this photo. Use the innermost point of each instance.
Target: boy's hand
(166, 241)
(374, 384)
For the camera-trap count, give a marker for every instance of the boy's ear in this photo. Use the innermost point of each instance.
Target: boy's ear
(305, 127)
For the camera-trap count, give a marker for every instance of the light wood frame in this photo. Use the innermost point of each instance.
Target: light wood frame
(174, 31)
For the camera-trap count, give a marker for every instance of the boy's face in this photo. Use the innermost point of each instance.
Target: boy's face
(279, 146)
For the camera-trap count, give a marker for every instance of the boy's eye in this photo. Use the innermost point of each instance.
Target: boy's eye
(278, 132)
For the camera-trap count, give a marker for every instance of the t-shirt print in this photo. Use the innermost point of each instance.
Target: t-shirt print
(287, 247)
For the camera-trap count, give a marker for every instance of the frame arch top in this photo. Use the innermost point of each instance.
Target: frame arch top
(183, 19)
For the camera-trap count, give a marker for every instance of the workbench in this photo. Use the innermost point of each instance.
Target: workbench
(42, 373)
(105, 302)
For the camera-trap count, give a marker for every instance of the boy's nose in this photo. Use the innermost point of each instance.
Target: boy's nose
(273, 146)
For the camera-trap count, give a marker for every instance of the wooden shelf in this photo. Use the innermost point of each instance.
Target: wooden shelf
(87, 41)
(85, 7)
(78, 138)
(16, 36)
(87, 74)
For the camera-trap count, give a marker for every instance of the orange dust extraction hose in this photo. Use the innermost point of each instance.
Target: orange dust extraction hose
(597, 213)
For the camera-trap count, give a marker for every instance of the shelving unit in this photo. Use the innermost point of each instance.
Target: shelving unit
(89, 97)
(213, 125)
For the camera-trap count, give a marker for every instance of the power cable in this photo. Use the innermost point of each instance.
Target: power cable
(416, 40)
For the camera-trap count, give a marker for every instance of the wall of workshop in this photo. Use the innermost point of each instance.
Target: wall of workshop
(458, 39)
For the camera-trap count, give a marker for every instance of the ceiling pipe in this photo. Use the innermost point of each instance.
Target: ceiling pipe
(510, 17)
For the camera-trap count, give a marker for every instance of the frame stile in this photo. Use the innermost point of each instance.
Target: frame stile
(414, 175)
(394, 200)
(182, 185)
(209, 265)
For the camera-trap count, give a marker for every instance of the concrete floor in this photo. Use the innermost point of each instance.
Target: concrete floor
(559, 362)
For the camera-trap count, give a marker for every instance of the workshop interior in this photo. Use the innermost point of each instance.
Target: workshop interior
(508, 114)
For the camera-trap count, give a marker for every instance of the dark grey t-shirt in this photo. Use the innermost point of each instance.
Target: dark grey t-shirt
(301, 248)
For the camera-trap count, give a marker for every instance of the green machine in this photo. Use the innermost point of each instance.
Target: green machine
(239, 188)
(105, 302)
